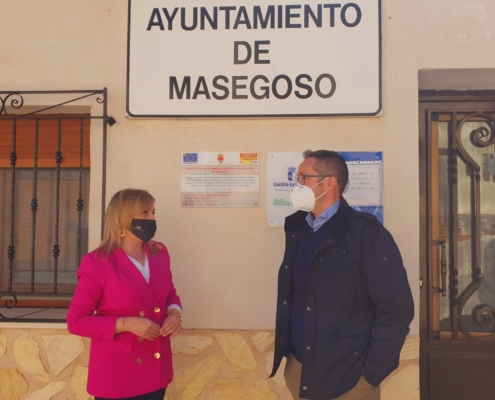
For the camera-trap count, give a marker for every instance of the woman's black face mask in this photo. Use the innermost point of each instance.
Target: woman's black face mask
(143, 229)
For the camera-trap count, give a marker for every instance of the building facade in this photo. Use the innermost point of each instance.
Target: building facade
(437, 68)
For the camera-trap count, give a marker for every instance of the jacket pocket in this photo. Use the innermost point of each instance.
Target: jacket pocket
(117, 346)
(340, 354)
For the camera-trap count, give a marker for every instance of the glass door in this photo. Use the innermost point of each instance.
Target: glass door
(457, 350)
(463, 225)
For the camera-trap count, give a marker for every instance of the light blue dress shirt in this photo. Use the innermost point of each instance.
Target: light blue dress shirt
(317, 223)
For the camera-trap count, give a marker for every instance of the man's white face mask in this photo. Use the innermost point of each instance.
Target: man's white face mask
(303, 198)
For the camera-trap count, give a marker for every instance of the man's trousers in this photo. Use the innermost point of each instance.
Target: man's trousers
(362, 391)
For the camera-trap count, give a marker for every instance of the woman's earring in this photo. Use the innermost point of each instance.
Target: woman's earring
(122, 234)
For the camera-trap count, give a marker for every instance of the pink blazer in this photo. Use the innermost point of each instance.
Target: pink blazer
(123, 365)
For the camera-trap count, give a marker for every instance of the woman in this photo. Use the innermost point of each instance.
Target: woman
(126, 303)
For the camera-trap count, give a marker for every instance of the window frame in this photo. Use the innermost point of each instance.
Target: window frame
(29, 306)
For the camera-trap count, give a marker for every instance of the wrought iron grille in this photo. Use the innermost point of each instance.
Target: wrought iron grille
(481, 138)
(463, 261)
(25, 304)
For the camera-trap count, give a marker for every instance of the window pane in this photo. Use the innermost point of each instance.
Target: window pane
(45, 226)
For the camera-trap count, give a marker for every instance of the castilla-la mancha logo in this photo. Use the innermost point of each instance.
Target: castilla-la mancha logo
(291, 178)
(291, 175)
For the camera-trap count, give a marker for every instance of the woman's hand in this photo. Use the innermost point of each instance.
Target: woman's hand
(171, 325)
(142, 327)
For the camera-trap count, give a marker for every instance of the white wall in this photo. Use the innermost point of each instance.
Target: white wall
(225, 261)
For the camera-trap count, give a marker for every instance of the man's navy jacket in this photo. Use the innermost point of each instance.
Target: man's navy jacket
(358, 304)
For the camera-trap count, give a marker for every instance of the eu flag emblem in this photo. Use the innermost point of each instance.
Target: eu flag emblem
(190, 157)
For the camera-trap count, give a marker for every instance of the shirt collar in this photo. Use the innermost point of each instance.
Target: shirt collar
(317, 223)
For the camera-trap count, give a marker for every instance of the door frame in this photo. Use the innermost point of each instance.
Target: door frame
(439, 100)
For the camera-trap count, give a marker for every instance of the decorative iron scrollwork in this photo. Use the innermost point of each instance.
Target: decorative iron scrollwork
(13, 158)
(10, 253)
(479, 137)
(80, 205)
(58, 157)
(16, 102)
(56, 250)
(482, 314)
(9, 304)
(34, 204)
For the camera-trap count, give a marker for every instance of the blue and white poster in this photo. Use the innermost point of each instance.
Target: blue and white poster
(364, 192)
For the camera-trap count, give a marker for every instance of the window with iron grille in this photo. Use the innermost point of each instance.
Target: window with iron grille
(44, 197)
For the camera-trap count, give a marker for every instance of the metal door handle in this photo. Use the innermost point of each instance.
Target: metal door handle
(443, 268)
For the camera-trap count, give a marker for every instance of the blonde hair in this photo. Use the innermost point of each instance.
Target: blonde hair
(123, 207)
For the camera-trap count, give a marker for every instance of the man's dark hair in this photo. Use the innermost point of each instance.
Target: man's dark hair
(330, 163)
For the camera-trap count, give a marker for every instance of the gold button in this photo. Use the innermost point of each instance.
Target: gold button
(139, 361)
(308, 308)
(141, 313)
(284, 303)
(308, 348)
(305, 388)
(286, 267)
(157, 309)
(157, 355)
(140, 339)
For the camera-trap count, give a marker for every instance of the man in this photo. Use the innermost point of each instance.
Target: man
(344, 302)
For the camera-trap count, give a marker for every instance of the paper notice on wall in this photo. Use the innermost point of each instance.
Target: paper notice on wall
(214, 179)
(364, 184)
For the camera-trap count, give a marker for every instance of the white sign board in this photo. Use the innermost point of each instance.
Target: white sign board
(224, 58)
(364, 191)
(228, 179)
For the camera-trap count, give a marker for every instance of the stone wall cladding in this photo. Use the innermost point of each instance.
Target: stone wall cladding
(209, 365)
